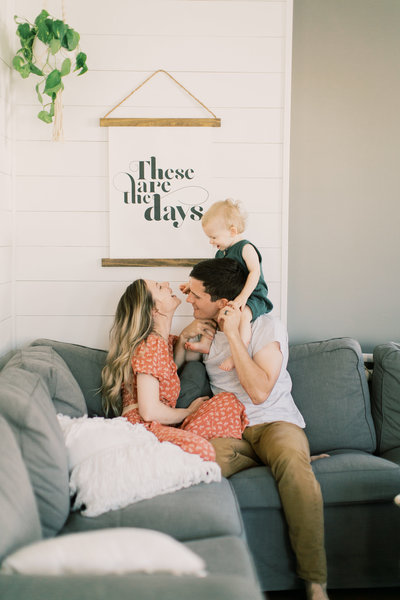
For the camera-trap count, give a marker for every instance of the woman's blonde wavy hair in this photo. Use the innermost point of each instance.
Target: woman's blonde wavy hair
(133, 322)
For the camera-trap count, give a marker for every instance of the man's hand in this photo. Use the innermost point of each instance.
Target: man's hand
(229, 319)
(204, 327)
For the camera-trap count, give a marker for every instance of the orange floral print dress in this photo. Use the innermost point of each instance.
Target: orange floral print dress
(220, 416)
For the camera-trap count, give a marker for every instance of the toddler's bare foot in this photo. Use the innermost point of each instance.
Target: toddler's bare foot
(316, 591)
(198, 347)
(227, 364)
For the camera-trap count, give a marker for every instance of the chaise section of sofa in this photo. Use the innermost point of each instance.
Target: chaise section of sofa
(35, 505)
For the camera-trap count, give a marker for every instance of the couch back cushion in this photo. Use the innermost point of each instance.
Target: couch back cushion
(26, 405)
(62, 385)
(19, 518)
(85, 365)
(386, 395)
(331, 391)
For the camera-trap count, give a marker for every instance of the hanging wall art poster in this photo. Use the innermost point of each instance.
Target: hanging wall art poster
(159, 188)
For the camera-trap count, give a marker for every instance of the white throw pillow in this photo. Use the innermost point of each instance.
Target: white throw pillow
(105, 551)
(113, 463)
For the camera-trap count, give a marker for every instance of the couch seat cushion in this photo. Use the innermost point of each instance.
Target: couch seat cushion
(351, 476)
(203, 510)
(331, 391)
(63, 388)
(26, 404)
(230, 577)
(19, 517)
(345, 477)
(129, 587)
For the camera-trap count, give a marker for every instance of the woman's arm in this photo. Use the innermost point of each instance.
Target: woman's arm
(152, 409)
(197, 327)
(251, 259)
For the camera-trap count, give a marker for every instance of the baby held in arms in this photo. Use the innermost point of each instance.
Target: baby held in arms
(224, 224)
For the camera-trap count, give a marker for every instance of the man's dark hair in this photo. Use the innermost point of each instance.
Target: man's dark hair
(221, 277)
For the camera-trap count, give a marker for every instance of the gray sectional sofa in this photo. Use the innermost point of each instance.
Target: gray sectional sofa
(359, 481)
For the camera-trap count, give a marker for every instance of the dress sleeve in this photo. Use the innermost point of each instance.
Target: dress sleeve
(151, 357)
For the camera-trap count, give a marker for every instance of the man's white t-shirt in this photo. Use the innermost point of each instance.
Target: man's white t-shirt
(279, 405)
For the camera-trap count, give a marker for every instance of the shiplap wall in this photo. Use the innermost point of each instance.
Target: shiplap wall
(6, 162)
(235, 57)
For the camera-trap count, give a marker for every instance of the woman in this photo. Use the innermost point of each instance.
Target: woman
(140, 380)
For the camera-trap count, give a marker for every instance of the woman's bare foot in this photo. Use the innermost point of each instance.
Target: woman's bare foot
(316, 591)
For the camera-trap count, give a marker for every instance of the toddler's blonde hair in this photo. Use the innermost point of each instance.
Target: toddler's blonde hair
(229, 212)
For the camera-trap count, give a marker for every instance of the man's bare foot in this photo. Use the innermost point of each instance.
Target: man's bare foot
(227, 364)
(318, 456)
(316, 591)
(198, 347)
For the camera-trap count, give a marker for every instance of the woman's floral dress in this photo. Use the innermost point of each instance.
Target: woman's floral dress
(220, 416)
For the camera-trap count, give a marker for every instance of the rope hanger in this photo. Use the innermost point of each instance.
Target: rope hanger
(160, 122)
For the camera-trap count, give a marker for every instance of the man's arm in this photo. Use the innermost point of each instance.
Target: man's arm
(257, 374)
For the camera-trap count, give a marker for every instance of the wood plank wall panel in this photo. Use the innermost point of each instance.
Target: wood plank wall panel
(6, 162)
(231, 55)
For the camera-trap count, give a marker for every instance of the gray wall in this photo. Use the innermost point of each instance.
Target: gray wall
(344, 239)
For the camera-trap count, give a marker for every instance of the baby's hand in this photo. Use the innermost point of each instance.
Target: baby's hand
(238, 303)
(184, 287)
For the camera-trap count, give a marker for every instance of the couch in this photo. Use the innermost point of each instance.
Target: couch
(356, 423)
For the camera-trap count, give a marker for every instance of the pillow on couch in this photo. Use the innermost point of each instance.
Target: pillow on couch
(63, 388)
(386, 395)
(114, 463)
(105, 551)
(331, 391)
(19, 518)
(85, 365)
(26, 405)
(194, 383)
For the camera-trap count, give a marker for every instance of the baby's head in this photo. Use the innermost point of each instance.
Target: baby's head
(223, 222)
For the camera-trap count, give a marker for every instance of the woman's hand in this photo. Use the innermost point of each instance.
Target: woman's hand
(185, 288)
(195, 405)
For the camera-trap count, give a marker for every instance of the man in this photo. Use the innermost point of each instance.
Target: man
(260, 380)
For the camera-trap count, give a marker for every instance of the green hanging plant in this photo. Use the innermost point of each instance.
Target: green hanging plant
(48, 49)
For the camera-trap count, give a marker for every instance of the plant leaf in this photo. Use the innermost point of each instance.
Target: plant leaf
(83, 70)
(53, 82)
(24, 31)
(45, 116)
(65, 67)
(72, 39)
(43, 33)
(59, 28)
(54, 45)
(80, 60)
(17, 62)
(39, 95)
(41, 17)
(35, 70)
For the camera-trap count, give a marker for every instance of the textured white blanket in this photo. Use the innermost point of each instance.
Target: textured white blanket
(114, 463)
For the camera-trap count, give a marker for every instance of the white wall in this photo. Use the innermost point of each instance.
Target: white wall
(6, 156)
(344, 250)
(233, 55)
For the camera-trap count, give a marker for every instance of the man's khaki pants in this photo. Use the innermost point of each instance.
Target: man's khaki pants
(284, 448)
